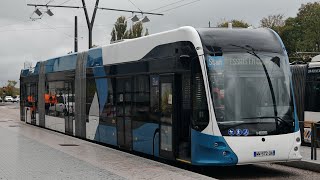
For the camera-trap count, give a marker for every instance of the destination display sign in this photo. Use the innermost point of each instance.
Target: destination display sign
(314, 70)
(244, 61)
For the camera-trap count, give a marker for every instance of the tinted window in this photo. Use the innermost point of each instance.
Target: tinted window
(200, 117)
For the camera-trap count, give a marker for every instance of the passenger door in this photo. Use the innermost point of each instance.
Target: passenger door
(166, 116)
(68, 107)
(124, 112)
(32, 100)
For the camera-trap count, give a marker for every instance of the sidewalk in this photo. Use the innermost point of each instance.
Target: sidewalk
(306, 162)
(29, 152)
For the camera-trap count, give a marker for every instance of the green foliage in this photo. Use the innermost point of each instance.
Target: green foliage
(120, 30)
(9, 89)
(275, 22)
(235, 23)
(300, 33)
(137, 29)
(308, 21)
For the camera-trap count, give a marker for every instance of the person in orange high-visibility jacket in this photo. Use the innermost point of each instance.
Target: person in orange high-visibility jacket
(30, 99)
(32, 105)
(46, 102)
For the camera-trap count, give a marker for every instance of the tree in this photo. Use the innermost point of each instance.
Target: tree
(9, 89)
(309, 23)
(302, 33)
(235, 23)
(120, 30)
(137, 30)
(274, 22)
(290, 34)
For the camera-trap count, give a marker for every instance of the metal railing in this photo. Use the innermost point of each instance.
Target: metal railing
(314, 137)
(314, 140)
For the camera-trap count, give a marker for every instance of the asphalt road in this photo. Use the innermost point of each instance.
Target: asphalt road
(258, 171)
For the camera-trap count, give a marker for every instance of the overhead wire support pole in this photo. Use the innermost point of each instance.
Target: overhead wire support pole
(75, 34)
(90, 23)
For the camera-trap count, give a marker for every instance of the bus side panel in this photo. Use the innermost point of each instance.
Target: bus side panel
(209, 150)
(145, 138)
(93, 119)
(106, 134)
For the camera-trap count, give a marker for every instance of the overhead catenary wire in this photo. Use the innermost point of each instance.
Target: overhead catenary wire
(49, 2)
(135, 5)
(22, 22)
(56, 27)
(53, 28)
(179, 6)
(167, 5)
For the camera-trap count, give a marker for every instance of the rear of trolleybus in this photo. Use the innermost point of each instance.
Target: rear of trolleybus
(250, 99)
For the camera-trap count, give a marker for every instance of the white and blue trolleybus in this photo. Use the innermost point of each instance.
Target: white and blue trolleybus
(201, 96)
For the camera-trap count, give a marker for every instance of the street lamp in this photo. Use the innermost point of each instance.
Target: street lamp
(49, 12)
(135, 18)
(38, 12)
(145, 19)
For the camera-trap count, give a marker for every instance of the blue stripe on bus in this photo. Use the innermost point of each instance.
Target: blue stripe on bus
(204, 152)
(102, 87)
(296, 119)
(63, 63)
(106, 134)
(143, 139)
(94, 57)
(95, 60)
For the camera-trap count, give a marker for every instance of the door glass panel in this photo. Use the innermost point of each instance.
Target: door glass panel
(166, 103)
(166, 138)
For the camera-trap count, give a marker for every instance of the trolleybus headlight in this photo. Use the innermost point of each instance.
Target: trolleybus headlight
(296, 148)
(216, 144)
(224, 153)
(298, 139)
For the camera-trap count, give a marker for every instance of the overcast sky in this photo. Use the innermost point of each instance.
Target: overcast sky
(25, 40)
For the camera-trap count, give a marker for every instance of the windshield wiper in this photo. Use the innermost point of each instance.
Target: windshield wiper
(251, 50)
(236, 123)
(278, 119)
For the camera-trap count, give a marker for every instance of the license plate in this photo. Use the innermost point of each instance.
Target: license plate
(264, 153)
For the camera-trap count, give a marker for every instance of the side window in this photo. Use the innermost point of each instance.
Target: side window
(200, 113)
(109, 112)
(141, 98)
(54, 99)
(31, 95)
(312, 101)
(124, 96)
(90, 92)
(154, 94)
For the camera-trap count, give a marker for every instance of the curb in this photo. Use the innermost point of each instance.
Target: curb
(306, 165)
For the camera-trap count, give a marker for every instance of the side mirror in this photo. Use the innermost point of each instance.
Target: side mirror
(276, 60)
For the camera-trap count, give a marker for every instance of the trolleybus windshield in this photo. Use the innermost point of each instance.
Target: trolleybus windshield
(251, 93)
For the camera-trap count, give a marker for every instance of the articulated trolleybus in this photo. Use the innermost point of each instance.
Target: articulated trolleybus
(200, 96)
